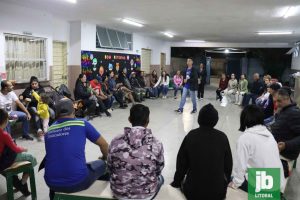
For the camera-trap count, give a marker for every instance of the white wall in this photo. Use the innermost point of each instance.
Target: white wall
(88, 42)
(16, 19)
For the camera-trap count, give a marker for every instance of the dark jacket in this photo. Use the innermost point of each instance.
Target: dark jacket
(7, 158)
(81, 91)
(269, 107)
(141, 81)
(203, 76)
(193, 81)
(205, 158)
(28, 94)
(134, 82)
(257, 87)
(287, 129)
(124, 80)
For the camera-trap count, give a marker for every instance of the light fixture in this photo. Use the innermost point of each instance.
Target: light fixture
(168, 34)
(289, 12)
(195, 41)
(275, 32)
(226, 51)
(128, 21)
(72, 1)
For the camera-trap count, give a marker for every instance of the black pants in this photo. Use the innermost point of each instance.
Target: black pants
(218, 92)
(201, 90)
(248, 97)
(119, 97)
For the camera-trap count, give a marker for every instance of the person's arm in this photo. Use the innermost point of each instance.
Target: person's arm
(101, 142)
(160, 161)
(36, 96)
(240, 166)
(182, 165)
(294, 126)
(227, 161)
(10, 143)
(158, 82)
(22, 107)
(174, 81)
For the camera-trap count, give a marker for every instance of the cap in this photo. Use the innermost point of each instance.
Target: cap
(64, 107)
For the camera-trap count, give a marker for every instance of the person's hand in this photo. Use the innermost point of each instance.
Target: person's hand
(28, 116)
(281, 146)
(21, 97)
(27, 99)
(25, 150)
(231, 185)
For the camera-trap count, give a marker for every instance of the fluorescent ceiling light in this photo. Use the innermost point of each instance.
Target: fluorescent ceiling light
(128, 21)
(275, 32)
(195, 41)
(226, 51)
(290, 12)
(168, 34)
(72, 1)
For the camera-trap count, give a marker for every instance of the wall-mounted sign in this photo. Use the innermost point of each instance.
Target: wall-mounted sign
(95, 63)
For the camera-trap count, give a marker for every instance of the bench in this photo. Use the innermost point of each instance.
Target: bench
(100, 190)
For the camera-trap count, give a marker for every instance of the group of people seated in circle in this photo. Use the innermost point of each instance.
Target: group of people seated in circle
(133, 162)
(262, 93)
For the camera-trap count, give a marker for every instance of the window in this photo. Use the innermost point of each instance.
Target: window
(25, 56)
(112, 39)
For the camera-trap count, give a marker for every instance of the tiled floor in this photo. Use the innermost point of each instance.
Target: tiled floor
(168, 126)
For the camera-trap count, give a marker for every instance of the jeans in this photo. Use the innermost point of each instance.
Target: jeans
(239, 97)
(95, 170)
(176, 88)
(163, 89)
(183, 98)
(218, 92)
(154, 92)
(21, 117)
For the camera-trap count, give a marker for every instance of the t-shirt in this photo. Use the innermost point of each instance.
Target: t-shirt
(6, 140)
(65, 163)
(6, 101)
(188, 76)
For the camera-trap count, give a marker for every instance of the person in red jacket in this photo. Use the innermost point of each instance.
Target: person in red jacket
(11, 153)
(222, 86)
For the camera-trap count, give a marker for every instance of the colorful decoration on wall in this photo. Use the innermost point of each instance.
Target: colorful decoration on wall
(95, 64)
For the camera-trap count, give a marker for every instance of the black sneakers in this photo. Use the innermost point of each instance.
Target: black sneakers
(179, 110)
(27, 137)
(193, 111)
(23, 188)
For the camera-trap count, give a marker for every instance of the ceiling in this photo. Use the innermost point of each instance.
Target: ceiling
(213, 21)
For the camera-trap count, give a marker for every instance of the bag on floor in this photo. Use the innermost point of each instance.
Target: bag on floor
(224, 101)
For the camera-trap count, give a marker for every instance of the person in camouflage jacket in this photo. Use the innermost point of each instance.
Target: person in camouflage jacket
(136, 159)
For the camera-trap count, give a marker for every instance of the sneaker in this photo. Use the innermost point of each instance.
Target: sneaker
(179, 110)
(193, 111)
(175, 97)
(24, 190)
(41, 139)
(17, 183)
(27, 137)
(107, 114)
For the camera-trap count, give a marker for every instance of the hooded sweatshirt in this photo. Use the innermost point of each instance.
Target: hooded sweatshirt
(135, 161)
(256, 148)
(204, 161)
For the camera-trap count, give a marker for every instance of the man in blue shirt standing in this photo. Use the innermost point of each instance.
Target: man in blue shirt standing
(66, 169)
(190, 79)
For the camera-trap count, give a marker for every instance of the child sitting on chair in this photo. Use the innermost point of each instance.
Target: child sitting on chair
(11, 153)
(42, 112)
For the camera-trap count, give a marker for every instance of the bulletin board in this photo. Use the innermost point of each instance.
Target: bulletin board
(94, 63)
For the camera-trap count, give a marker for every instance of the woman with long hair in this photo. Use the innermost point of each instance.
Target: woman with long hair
(163, 84)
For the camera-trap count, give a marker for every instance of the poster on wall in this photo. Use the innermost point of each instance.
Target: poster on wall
(98, 64)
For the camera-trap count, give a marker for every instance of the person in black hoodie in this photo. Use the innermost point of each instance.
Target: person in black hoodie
(190, 81)
(256, 90)
(205, 159)
(286, 129)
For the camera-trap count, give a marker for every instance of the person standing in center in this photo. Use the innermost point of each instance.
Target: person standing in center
(190, 80)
